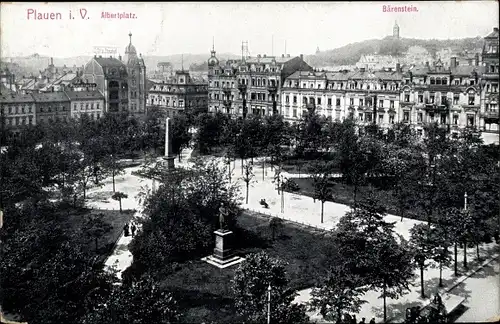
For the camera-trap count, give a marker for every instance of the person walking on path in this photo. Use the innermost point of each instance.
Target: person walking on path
(126, 229)
(372, 321)
(133, 229)
(362, 321)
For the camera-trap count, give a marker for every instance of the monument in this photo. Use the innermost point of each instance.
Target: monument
(169, 157)
(223, 255)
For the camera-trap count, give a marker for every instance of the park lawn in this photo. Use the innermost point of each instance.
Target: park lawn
(204, 291)
(344, 194)
(74, 220)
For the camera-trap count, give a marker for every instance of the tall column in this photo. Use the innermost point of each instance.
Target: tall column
(169, 157)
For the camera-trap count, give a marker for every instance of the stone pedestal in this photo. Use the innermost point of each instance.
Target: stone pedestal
(169, 162)
(223, 255)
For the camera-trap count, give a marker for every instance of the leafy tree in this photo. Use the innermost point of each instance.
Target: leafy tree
(250, 287)
(180, 134)
(370, 249)
(323, 186)
(96, 228)
(442, 242)
(152, 130)
(248, 176)
(424, 249)
(119, 196)
(340, 293)
(142, 301)
(311, 134)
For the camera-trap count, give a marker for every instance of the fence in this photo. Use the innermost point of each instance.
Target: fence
(282, 216)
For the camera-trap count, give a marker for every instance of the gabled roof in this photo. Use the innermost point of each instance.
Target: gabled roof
(109, 62)
(339, 76)
(493, 34)
(466, 69)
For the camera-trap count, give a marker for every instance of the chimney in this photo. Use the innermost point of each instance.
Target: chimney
(282, 55)
(427, 64)
(265, 55)
(362, 69)
(302, 56)
(288, 55)
(120, 57)
(476, 59)
(453, 62)
(258, 55)
(495, 29)
(51, 61)
(398, 67)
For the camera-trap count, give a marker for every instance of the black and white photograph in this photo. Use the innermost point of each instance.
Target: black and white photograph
(249, 162)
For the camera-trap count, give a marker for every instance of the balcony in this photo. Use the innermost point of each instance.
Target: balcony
(272, 88)
(490, 115)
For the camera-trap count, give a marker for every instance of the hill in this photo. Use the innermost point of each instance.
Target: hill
(351, 53)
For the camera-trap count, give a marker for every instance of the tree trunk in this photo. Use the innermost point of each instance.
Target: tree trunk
(456, 259)
(120, 201)
(247, 193)
(422, 281)
(465, 255)
(241, 165)
(263, 168)
(322, 209)
(339, 315)
(385, 302)
(477, 251)
(113, 175)
(440, 274)
(84, 190)
(179, 156)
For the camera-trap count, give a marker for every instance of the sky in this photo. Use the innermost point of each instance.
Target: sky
(189, 27)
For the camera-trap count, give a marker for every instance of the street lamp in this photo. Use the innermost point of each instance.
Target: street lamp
(269, 304)
(465, 201)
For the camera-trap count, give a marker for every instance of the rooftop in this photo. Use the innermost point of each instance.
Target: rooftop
(50, 97)
(82, 95)
(12, 98)
(109, 62)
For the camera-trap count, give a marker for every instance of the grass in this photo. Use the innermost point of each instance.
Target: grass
(74, 220)
(344, 194)
(204, 291)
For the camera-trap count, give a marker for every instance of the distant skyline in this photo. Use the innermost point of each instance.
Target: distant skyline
(188, 27)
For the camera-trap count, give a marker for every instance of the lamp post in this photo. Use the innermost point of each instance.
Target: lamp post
(269, 304)
(465, 243)
(465, 201)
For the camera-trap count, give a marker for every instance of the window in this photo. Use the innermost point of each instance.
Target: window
(351, 101)
(361, 102)
(264, 82)
(287, 99)
(319, 86)
(304, 85)
(419, 132)
(445, 81)
(407, 97)
(337, 102)
(311, 85)
(368, 117)
(294, 112)
(443, 119)
(380, 119)
(391, 104)
(420, 117)
(420, 98)
(455, 119)
(361, 116)
(432, 98)
(30, 109)
(456, 97)
(304, 100)
(391, 119)
(329, 101)
(381, 103)
(470, 120)
(294, 99)
(471, 98)
(319, 101)
(444, 100)
(406, 116)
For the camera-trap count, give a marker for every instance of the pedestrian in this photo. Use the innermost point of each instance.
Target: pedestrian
(372, 321)
(126, 229)
(354, 320)
(133, 228)
(362, 321)
(347, 318)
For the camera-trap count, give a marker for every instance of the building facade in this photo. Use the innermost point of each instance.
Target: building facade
(17, 110)
(86, 102)
(489, 84)
(178, 94)
(111, 77)
(251, 85)
(51, 107)
(137, 86)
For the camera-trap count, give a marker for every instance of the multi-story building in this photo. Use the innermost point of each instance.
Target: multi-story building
(365, 95)
(51, 107)
(448, 96)
(137, 86)
(17, 110)
(86, 102)
(489, 84)
(179, 94)
(250, 85)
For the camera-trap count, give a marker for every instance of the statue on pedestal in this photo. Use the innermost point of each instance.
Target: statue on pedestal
(223, 212)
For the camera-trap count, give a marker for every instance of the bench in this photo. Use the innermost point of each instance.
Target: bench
(451, 303)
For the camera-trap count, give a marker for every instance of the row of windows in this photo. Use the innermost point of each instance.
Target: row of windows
(471, 98)
(18, 121)
(12, 110)
(87, 106)
(442, 119)
(49, 108)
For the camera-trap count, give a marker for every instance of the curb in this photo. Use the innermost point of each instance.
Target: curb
(471, 272)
